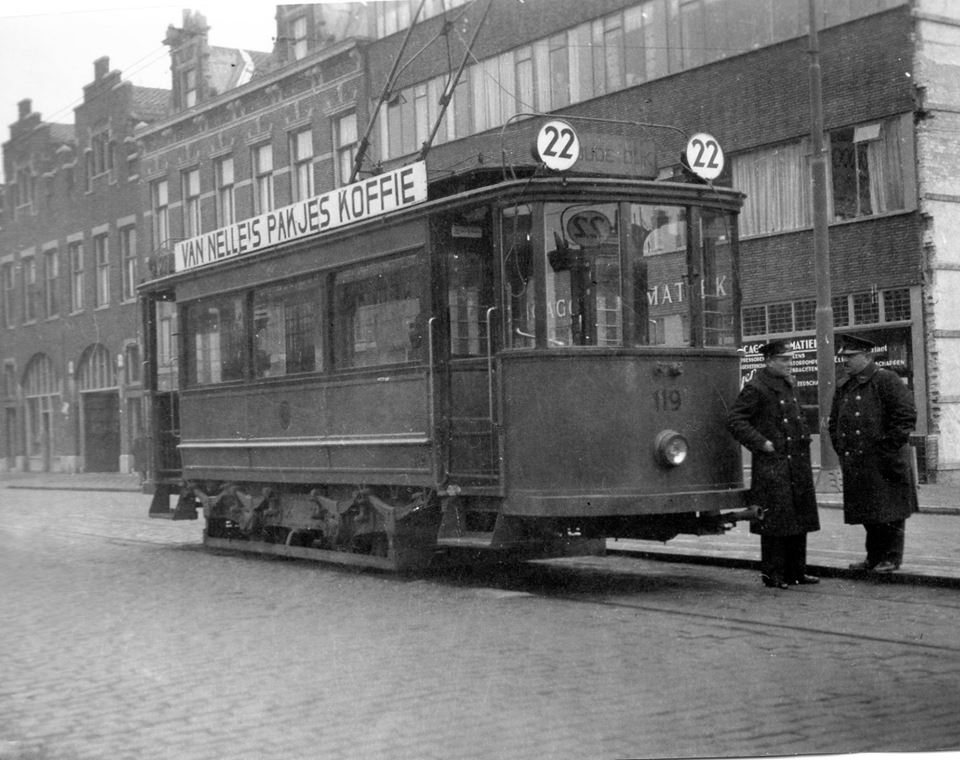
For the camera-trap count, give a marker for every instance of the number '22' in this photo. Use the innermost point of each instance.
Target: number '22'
(555, 135)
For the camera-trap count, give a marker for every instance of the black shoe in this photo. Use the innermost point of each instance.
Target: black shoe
(886, 567)
(772, 581)
(864, 565)
(805, 580)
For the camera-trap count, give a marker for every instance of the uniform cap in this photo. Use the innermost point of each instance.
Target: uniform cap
(851, 344)
(776, 348)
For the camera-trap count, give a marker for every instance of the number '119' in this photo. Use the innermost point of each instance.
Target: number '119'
(667, 400)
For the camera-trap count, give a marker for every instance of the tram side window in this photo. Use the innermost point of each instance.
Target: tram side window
(377, 313)
(215, 340)
(287, 329)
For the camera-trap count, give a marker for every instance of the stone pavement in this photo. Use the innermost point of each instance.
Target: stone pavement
(931, 555)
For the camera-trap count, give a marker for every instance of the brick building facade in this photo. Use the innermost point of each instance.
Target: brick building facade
(246, 131)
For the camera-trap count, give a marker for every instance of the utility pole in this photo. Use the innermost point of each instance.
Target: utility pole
(829, 477)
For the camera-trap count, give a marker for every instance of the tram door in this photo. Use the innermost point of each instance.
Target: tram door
(471, 432)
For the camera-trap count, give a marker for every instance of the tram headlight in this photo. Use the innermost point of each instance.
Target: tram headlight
(672, 448)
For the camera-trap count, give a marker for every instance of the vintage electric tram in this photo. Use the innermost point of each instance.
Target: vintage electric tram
(527, 364)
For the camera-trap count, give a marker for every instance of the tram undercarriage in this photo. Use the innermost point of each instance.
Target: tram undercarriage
(403, 529)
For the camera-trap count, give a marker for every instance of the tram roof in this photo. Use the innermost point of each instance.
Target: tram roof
(521, 184)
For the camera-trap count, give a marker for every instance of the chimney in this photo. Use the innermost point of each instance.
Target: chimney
(101, 68)
(25, 108)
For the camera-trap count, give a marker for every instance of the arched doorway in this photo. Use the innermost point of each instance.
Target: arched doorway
(42, 396)
(100, 409)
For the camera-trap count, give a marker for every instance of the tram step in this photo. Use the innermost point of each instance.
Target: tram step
(469, 541)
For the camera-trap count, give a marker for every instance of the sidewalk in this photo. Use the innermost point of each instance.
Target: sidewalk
(931, 555)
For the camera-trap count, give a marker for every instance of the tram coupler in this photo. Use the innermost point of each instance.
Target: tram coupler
(753, 512)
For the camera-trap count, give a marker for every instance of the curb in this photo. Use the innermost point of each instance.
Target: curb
(823, 571)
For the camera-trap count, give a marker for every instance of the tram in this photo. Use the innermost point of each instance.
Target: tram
(521, 364)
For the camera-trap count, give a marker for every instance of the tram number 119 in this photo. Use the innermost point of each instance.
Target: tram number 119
(667, 400)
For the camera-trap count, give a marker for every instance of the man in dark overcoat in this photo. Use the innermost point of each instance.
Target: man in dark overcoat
(871, 418)
(767, 419)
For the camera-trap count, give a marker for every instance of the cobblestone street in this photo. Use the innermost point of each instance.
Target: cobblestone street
(125, 639)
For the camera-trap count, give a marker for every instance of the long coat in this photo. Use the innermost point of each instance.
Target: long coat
(870, 423)
(767, 409)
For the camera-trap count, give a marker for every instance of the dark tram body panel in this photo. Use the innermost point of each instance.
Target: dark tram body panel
(497, 368)
(581, 433)
(367, 430)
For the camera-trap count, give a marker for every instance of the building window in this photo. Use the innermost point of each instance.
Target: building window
(754, 320)
(24, 191)
(75, 254)
(776, 182)
(101, 153)
(346, 142)
(101, 255)
(160, 199)
(262, 179)
(128, 258)
(31, 292)
(51, 269)
(896, 305)
(132, 364)
(841, 311)
(866, 308)
(780, 317)
(188, 84)
(301, 158)
(298, 31)
(866, 170)
(805, 315)
(191, 202)
(223, 170)
(6, 274)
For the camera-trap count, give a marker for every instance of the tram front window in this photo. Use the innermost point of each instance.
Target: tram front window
(582, 275)
(618, 274)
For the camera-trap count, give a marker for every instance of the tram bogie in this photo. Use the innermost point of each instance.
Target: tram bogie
(528, 367)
